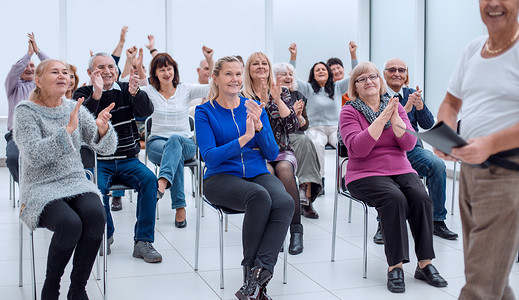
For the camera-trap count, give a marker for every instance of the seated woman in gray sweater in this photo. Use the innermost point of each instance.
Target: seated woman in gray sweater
(54, 191)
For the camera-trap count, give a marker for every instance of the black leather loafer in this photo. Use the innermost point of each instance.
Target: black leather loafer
(395, 281)
(431, 275)
(441, 230)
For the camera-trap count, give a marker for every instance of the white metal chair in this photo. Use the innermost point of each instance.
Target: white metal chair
(222, 211)
(340, 189)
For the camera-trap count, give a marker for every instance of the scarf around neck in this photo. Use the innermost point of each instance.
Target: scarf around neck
(368, 113)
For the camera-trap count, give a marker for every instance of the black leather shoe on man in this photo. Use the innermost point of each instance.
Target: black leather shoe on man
(377, 238)
(395, 281)
(431, 275)
(441, 230)
(117, 203)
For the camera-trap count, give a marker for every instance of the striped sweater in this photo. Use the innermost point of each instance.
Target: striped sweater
(123, 115)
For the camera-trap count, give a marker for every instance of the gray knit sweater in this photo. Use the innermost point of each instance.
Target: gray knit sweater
(51, 166)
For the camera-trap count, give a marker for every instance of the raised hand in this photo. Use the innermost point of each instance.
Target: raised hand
(122, 37)
(298, 107)
(133, 85)
(137, 62)
(208, 52)
(151, 42)
(255, 110)
(32, 40)
(293, 51)
(30, 50)
(102, 119)
(353, 47)
(416, 98)
(275, 91)
(73, 121)
(97, 80)
(131, 53)
(91, 53)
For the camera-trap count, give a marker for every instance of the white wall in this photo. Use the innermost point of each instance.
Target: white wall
(320, 31)
(450, 26)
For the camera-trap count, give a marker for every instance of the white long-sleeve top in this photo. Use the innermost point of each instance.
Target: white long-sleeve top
(171, 116)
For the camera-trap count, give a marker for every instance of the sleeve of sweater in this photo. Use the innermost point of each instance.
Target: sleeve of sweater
(197, 91)
(344, 83)
(35, 148)
(212, 154)
(90, 134)
(12, 78)
(290, 122)
(358, 141)
(407, 141)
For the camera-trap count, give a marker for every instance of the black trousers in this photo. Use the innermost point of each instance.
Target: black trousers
(268, 211)
(399, 198)
(12, 153)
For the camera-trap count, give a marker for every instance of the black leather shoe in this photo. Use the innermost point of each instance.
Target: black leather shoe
(309, 211)
(117, 203)
(296, 243)
(441, 230)
(395, 281)
(431, 275)
(377, 238)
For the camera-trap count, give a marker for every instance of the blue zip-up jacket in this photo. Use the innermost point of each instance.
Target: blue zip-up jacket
(217, 132)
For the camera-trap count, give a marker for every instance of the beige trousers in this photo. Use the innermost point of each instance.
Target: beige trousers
(489, 206)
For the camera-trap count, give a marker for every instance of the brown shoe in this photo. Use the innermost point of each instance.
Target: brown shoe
(309, 211)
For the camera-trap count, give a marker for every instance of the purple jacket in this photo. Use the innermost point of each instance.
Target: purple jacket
(16, 88)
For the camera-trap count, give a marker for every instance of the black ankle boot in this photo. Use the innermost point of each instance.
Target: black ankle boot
(84, 257)
(256, 285)
(57, 260)
(296, 239)
(247, 271)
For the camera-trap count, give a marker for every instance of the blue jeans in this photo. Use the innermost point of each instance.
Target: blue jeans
(433, 169)
(131, 172)
(170, 154)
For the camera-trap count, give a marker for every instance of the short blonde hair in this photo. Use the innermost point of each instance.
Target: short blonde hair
(360, 69)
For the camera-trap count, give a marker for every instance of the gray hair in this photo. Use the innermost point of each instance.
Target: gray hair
(279, 68)
(91, 61)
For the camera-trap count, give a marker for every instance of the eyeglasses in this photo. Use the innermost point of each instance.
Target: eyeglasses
(393, 70)
(371, 77)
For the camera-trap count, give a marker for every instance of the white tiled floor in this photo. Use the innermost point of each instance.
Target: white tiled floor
(311, 275)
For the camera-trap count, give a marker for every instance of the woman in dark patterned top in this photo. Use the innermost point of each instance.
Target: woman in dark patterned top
(259, 85)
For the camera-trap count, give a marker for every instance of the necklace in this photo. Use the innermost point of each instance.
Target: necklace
(502, 48)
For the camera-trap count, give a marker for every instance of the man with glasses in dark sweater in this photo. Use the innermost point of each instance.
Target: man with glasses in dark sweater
(123, 166)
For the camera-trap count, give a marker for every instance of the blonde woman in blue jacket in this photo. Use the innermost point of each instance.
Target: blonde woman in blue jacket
(235, 141)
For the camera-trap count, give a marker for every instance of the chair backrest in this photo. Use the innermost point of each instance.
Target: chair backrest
(191, 123)
(341, 148)
(88, 157)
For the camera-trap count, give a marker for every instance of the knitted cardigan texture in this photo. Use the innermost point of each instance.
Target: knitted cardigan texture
(51, 166)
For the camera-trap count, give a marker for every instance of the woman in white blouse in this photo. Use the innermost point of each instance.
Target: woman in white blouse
(171, 141)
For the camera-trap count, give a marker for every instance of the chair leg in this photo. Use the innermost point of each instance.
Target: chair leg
(453, 186)
(220, 233)
(157, 207)
(33, 268)
(226, 222)
(285, 259)
(20, 260)
(365, 251)
(349, 212)
(197, 234)
(105, 262)
(334, 228)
